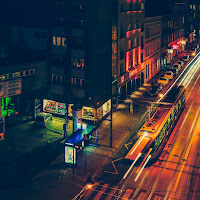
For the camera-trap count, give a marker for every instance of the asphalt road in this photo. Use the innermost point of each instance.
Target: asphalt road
(176, 173)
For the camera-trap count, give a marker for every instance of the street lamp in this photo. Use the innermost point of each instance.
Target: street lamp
(89, 183)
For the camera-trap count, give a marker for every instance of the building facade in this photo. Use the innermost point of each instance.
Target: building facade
(152, 42)
(130, 47)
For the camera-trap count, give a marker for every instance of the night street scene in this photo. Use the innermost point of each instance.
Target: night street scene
(100, 100)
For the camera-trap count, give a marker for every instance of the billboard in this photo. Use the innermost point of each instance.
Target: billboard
(10, 88)
(70, 154)
(56, 107)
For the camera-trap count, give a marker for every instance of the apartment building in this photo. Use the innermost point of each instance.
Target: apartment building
(130, 43)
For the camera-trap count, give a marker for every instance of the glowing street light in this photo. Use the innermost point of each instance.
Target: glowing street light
(89, 183)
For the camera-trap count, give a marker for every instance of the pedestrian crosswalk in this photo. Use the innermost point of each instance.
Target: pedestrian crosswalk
(106, 192)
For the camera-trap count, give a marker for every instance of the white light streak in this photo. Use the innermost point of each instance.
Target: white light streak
(142, 168)
(132, 165)
(137, 144)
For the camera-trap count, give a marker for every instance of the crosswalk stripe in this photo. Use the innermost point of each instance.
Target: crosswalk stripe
(90, 191)
(111, 193)
(127, 194)
(100, 193)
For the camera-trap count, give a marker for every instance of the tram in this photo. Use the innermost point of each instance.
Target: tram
(157, 129)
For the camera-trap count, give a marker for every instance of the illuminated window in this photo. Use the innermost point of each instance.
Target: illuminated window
(15, 75)
(58, 41)
(64, 42)
(4, 77)
(142, 6)
(54, 40)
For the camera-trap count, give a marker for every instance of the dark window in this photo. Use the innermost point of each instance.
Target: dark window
(122, 34)
(40, 34)
(21, 74)
(83, 84)
(77, 82)
(121, 54)
(142, 42)
(141, 57)
(26, 72)
(121, 69)
(10, 75)
(32, 71)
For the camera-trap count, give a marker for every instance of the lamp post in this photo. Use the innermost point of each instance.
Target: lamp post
(111, 122)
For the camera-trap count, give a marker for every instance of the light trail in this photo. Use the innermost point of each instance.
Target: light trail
(142, 168)
(181, 157)
(185, 118)
(137, 144)
(132, 165)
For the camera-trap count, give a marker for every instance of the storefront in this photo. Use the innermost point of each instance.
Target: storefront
(56, 107)
(96, 114)
(88, 113)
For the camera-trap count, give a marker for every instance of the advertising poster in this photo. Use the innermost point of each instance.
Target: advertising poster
(49, 106)
(69, 154)
(88, 113)
(60, 108)
(10, 88)
(106, 107)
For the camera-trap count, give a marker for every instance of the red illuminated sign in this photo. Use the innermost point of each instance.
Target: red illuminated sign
(122, 79)
(132, 73)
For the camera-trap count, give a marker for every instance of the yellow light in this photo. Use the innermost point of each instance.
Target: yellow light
(89, 185)
(161, 95)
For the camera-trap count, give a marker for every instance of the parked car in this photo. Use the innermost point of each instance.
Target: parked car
(163, 81)
(176, 66)
(181, 63)
(43, 119)
(175, 71)
(155, 90)
(185, 58)
(196, 46)
(169, 74)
